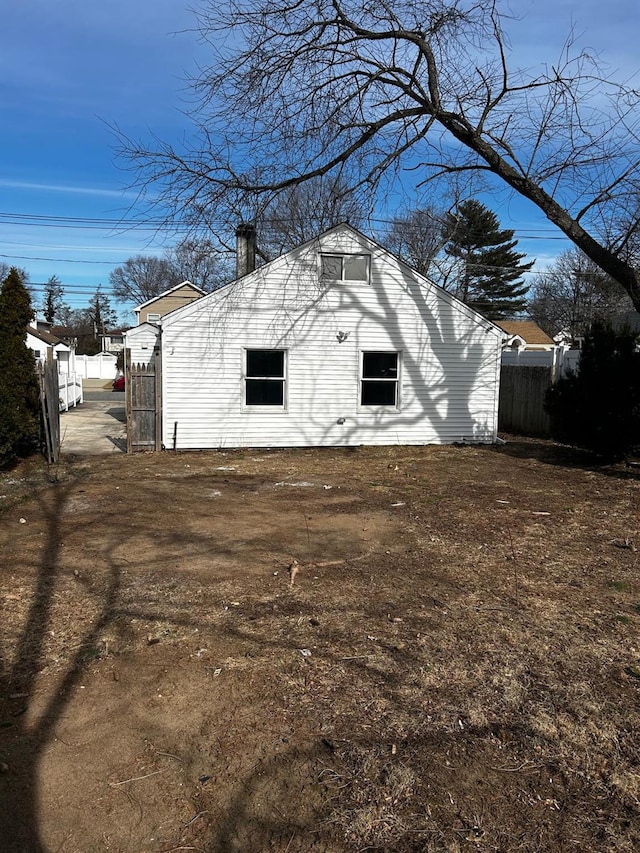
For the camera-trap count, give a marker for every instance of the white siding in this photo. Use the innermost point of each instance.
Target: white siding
(141, 340)
(449, 357)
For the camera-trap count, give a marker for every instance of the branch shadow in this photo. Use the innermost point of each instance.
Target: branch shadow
(29, 731)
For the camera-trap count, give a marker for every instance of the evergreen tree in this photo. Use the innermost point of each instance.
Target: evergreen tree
(52, 300)
(91, 322)
(597, 408)
(100, 313)
(19, 389)
(491, 270)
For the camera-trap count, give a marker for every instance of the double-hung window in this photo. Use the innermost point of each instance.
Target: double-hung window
(379, 379)
(344, 267)
(265, 377)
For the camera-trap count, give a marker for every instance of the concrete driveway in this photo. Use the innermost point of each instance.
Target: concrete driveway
(96, 426)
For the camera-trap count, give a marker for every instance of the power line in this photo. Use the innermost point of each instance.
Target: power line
(48, 220)
(39, 218)
(61, 260)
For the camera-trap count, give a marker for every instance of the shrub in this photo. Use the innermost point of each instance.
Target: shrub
(19, 389)
(597, 408)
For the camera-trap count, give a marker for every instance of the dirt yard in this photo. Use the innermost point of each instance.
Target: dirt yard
(405, 649)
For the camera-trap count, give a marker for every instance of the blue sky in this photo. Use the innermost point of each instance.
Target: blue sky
(71, 67)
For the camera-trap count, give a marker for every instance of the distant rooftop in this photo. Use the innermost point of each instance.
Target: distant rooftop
(529, 331)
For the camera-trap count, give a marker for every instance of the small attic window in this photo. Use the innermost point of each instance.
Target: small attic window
(345, 267)
(153, 318)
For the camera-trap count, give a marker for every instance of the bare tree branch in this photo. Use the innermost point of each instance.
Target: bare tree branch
(296, 89)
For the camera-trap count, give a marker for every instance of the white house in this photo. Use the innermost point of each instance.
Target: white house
(142, 342)
(334, 343)
(41, 342)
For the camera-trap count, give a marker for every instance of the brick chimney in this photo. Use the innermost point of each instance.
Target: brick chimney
(245, 249)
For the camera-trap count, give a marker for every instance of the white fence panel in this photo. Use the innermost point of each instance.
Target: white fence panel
(69, 390)
(561, 360)
(101, 366)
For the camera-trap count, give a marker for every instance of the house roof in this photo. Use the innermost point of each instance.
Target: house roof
(168, 293)
(222, 292)
(134, 331)
(530, 332)
(45, 337)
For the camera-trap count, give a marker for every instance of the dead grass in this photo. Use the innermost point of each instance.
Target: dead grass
(454, 668)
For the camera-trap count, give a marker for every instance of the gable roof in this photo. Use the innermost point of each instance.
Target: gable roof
(137, 328)
(46, 337)
(369, 243)
(169, 292)
(528, 330)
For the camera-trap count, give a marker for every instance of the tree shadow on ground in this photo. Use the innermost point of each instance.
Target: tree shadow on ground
(551, 452)
(28, 731)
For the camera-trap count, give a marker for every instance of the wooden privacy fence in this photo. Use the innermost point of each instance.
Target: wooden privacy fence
(143, 405)
(522, 393)
(524, 380)
(50, 409)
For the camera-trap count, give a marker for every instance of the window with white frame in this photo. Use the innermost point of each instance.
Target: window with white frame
(265, 377)
(336, 267)
(379, 379)
(153, 318)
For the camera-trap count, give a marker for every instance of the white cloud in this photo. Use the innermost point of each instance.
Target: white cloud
(62, 188)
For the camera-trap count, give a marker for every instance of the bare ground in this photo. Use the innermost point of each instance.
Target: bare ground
(456, 666)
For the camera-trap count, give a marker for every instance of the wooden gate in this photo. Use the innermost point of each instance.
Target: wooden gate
(50, 409)
(143, 383)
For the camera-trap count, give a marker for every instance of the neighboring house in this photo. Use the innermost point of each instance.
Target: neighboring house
(41, 342)
(142, 341)
(525, 335)
(112, 341)
(336, 342)
(176, 297)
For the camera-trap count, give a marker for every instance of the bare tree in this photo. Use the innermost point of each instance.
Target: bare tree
(301, 211)
(142, 277)
(417, 237)
(573, 294)
(298, 88)
(200, 261)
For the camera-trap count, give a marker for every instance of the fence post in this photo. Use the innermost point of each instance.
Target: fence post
(157, 362)
(127, 397)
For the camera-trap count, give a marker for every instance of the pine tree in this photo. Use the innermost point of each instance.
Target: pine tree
(491, 270)
(52, 300)
(100, 313)
(93, 321)
(19, 390)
